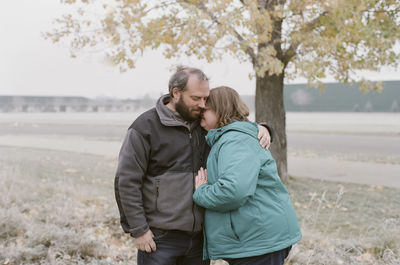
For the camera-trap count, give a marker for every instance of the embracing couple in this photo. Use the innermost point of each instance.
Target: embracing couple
(195, 181)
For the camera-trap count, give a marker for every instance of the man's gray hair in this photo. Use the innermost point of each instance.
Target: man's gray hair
(181, 76)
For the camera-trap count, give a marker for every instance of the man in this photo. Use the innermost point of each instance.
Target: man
(160, 156)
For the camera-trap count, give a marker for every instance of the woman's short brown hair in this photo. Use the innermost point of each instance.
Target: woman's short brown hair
(227, 105)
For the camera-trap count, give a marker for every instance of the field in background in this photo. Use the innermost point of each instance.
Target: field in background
(57, 206)
(346, 122)
(352, 147)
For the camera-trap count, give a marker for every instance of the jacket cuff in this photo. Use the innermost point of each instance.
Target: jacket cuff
(139, 231)
(269, 128)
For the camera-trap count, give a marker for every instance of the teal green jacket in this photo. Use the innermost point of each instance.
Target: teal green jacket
(248, 209)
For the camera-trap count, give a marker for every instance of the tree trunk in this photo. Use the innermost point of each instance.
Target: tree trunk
(270, 109)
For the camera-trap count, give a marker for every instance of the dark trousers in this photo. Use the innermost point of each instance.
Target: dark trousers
(274, 258)
(174, 248)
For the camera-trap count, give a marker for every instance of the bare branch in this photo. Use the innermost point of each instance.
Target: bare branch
(249, 50)
(159, 6)
(291, 51)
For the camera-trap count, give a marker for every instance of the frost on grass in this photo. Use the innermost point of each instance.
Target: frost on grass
(353, 225)
(58, 208)
(45, 222)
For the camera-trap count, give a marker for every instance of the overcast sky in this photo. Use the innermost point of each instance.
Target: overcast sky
(30, 65)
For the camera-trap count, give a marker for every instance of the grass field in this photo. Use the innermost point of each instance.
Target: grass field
(58, 208)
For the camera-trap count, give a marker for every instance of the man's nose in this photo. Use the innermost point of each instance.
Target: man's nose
(202, 103)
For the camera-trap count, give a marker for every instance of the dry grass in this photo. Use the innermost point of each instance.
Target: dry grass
(346, 223)
(59, 208)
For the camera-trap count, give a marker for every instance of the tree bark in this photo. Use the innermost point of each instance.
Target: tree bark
(270, 108)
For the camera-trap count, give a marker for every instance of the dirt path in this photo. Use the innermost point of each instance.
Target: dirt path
(345, 171)
(373, 145)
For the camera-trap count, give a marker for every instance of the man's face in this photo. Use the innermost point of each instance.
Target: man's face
(191, 102)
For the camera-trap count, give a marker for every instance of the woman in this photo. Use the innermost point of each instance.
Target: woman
(249, 217)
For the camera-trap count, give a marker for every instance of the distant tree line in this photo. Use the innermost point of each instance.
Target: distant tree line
(337, 97)
(72, 104)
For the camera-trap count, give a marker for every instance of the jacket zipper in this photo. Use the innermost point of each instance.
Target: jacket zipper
(193, 210)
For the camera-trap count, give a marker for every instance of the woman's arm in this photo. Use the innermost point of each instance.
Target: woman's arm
(238, 169)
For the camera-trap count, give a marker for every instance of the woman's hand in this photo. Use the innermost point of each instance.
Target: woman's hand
(201, 178)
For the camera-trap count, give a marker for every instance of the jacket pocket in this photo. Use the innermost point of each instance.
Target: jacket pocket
(233, 226)
(170, 198)
(230, 226)
(245, 222)
(149, 193)
(218, 232)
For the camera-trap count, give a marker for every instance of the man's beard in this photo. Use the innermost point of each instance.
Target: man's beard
(184, 111)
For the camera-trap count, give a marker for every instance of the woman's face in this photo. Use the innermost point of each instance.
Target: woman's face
(208, 119)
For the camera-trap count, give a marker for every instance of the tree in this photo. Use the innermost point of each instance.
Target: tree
(283, 39)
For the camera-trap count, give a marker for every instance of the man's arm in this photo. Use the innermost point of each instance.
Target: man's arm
(265, 135)
(132, 164)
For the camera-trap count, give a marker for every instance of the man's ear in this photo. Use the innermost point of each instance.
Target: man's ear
(176, 94)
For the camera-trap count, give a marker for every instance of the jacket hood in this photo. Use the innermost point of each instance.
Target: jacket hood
(167, 116)
(247, 127)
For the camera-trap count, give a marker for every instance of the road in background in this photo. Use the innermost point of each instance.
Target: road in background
(385, 145)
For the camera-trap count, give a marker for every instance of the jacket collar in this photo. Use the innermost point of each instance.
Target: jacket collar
(249, 128)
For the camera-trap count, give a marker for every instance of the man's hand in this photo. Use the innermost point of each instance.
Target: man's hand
(201, 178)
(264, 137)
(146, 242)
